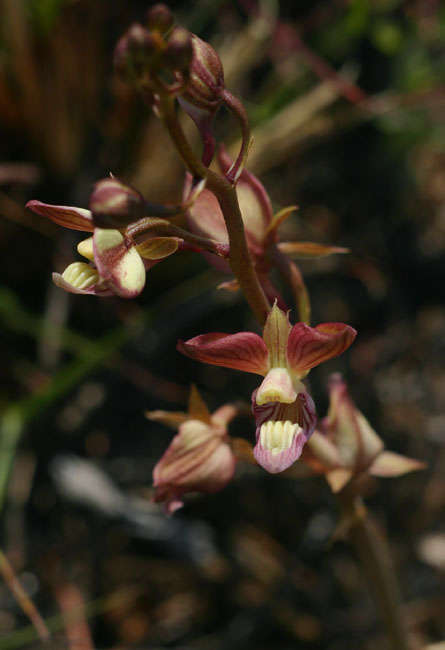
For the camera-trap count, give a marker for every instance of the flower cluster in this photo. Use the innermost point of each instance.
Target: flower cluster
(124, 243)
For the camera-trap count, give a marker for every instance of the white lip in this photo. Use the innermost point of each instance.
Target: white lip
(277, 436)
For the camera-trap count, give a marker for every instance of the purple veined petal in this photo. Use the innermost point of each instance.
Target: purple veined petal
(118, 262)
(242, 351)
(64, 215)
(309, 346)
(287, 425)
(82, 278)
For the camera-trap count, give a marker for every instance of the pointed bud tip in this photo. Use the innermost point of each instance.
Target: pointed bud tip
(159, 18)
(114, 204)
(133, 51)
(179, 53)
(205, 86)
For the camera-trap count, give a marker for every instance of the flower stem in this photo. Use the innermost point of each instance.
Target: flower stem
(234, 105)
(240, 259)
(373, 551)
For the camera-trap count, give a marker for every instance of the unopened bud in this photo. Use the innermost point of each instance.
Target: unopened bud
(115, 205)
(179, 53)
(160, 18)
(206, 82)
(134, 51)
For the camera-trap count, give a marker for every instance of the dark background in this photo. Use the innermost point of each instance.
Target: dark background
(346, 101)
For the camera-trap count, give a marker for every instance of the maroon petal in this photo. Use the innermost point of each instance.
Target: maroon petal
(309, 346)
(242, 351)
(64, 215)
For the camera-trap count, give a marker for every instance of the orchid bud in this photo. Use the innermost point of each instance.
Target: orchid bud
(199, 458)
(115, 205)
(159, 18)
(357, 442)
(179, 52)
(206, 77)
(134, 52)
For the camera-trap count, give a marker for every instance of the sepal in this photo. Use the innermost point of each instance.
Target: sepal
(243, 351)
(67, 216)
(308, 249)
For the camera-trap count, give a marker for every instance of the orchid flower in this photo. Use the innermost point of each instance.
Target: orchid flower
(205, 218)
(283, 409)
(347, 446)
(116, 265)
(199, 458)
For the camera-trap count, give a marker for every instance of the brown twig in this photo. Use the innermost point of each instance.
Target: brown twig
(22, 598)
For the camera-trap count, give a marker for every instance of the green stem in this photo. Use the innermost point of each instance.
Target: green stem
(375, 557)
(240, 259)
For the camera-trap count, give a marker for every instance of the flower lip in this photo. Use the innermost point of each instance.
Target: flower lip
(277, 436)
(279, 444)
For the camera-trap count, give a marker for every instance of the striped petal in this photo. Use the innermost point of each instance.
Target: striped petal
(64, 215)
(242, 351)
(309, 346)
